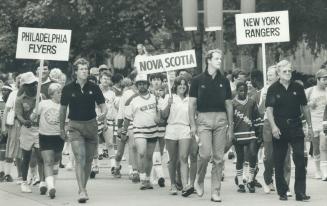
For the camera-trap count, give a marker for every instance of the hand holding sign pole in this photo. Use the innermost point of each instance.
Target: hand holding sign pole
(262, 28)
(42, 44)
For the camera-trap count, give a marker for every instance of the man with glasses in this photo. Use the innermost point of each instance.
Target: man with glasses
(285, 103)
(214, 121)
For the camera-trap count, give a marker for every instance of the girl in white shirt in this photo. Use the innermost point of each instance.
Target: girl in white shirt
(177, 135)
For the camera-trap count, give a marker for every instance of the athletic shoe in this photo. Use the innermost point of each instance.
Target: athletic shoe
(222, 177)
(251, 187)
(179, 186)
(117, 173)
(19, 181)
(146, 185)
(188, 191)
(283, 197)
(24, 187)
(289, 193)
(302, 197)
(2, 176)
(272, 187)
(82, 197)
(61, 165)
(199, 188)
(35, 181)
(43, 188)
(257, 184)
(95, 169)
(324, 179)
(52, 193)
(69, 166)
(266, 188)
(136, 178)
(241, 189)
(8, 178)
(161, 182)
(215, 198)
(173, 190)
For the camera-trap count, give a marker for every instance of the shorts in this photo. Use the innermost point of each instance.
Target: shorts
(152, 140)
(177, 132)
(29, 138)
(51, 142)
(86, 131)
(13, 145)
(161, 131)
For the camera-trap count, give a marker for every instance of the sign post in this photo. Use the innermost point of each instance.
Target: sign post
(42, 44)
(262, 28)
(167, 62)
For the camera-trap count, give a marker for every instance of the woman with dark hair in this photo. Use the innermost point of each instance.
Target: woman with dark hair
(177, 135)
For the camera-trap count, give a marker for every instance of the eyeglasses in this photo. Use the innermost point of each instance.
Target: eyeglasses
(287, 71)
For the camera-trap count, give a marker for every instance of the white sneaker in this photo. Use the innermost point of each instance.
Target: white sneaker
(19, 181)
(266, 188)
(272, 187)
(69, 166)
(318, 175)
(289, 194)
(25, 187)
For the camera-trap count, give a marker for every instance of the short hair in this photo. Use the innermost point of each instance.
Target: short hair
(53, 87)
(55, 74)
(210, 53)
(177, 82)
(283, 63)
(106, 73)
(116, 78)
(156, 76)
(80, 61)
(239, 84)
(272, 67)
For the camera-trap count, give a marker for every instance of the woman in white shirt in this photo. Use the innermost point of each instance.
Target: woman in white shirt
(177, 135)
(51, 144)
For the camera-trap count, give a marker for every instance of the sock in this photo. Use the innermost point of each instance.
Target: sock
(130, 169)
(251, 175)
(8, 168)
(246, 170)
(159, 170)
(112, 162)
(142, 176)
(2, 166)
(323, 167)
(239, 175)
(317, 163)
(50, 182)
(117, 164)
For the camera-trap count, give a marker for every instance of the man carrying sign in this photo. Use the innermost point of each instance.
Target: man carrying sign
(210, 96)
(81, 97)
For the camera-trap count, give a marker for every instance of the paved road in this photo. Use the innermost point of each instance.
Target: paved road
(105, 190)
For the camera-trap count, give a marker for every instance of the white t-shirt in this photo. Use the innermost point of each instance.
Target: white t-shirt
(317, 100)
(142, 111)
(110, 97)
(126, 95)
(178, 111)
(12, 99)
(49, 117)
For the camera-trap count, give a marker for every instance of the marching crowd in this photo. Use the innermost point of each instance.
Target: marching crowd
(198, 120)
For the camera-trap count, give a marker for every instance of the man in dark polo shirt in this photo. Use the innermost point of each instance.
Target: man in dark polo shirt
(210, 98)
(285, 102)
(81, 96)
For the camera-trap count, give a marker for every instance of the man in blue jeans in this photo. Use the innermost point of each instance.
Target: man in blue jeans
(210, 99)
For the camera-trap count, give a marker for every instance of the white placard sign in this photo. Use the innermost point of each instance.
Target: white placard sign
(46, 44)
(264, 27)
(167, 62)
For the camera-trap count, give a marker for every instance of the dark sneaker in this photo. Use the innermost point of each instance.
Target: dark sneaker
(251, 187)
(187, 191)
(61, 165)
(135, 177)
(179, 186)
(52, 193)
(241, 189)
(283, 197)
(161, 182)
(117, 173)
(222, 177)
(257, 184)
(8, 178)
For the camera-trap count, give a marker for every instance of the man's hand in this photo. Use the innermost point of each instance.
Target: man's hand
(276, 132)
(230, 133)
(310, 133)
(63, 134)
(193, 131)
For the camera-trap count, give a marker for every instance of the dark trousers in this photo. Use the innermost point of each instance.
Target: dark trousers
(295, 137)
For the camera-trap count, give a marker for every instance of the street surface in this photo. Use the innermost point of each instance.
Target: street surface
(105, 190)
